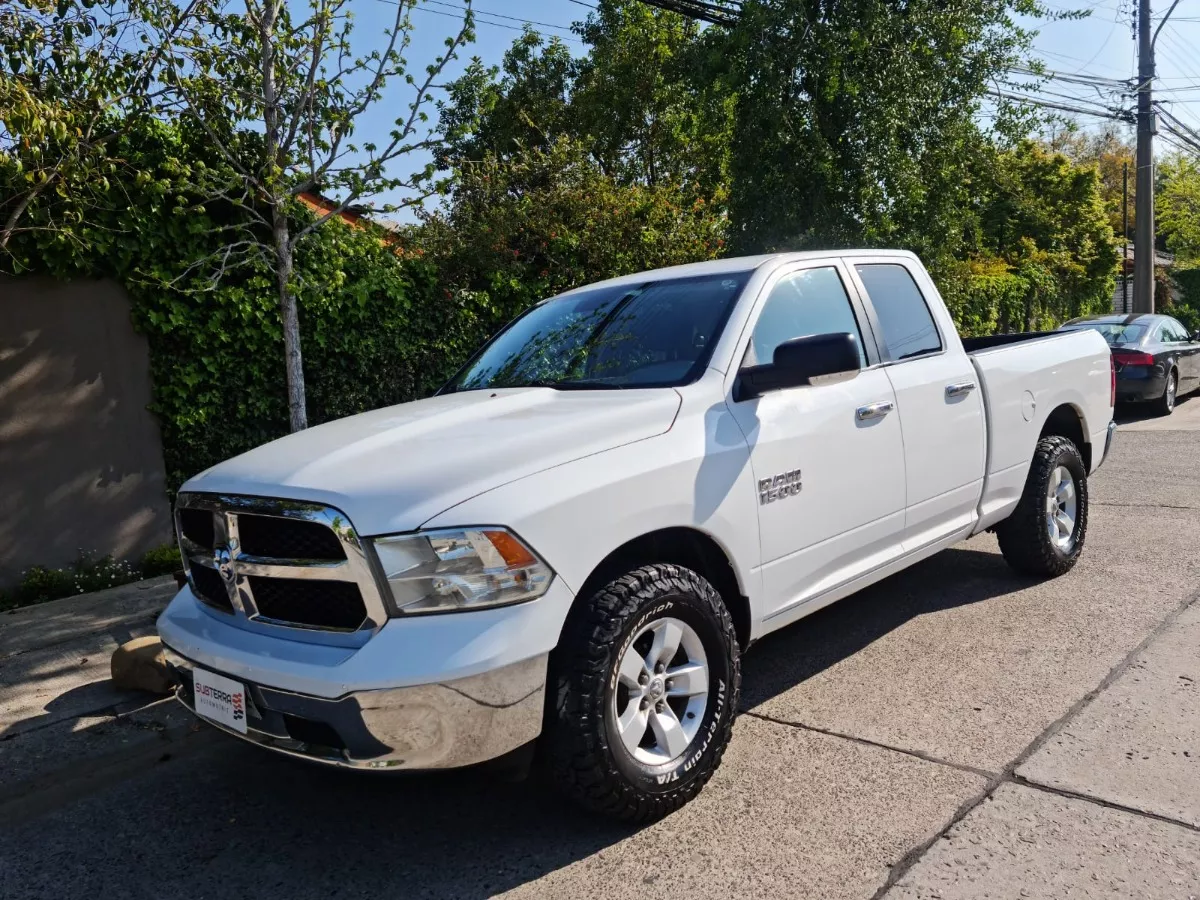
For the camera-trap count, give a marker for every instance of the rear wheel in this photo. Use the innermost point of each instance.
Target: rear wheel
(646, 691)
(1044, 535)
(1165, 405)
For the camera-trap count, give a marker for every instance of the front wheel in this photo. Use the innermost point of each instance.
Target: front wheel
(1045, 533)
(646, 689)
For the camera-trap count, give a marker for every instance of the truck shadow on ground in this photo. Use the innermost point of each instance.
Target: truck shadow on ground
(955, 577)
(229, 820)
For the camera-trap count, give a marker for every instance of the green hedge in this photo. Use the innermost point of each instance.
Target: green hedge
(1187, 310)
(375, 328)
(374, 331)
(986, 304)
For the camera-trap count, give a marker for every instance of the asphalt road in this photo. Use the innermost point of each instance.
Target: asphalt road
(955, 731)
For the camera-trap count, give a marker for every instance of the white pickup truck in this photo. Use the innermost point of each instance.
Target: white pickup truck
(576, 539)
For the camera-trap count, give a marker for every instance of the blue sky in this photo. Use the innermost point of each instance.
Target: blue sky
(1103, 45)
(1100, 45)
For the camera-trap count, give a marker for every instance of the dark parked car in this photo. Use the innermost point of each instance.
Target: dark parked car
(1156, 359)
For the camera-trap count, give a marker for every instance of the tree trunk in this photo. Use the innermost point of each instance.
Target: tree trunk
(290, 316)
(280, 232)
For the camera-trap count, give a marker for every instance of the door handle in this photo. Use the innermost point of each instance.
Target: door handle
(875, 410)
(958, 390)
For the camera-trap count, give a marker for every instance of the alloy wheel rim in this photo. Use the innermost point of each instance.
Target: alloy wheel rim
(1171, 391)
(662, 691)
(1061, 507)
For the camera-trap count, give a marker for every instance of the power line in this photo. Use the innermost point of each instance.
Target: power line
(1180, 126)
(1104, 46)
(1178, 143)
(1180, 139)
(478, 20)
(716, 13)
(1103, 113)
(1091, 80)
(496, 15)
(1074, 98)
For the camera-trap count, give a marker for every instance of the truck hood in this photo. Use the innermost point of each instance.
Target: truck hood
(393, 469)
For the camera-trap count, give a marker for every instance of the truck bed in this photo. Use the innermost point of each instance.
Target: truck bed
(1025, 377)
(988, 342)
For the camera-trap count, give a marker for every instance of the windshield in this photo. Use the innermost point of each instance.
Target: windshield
(653, 334)
(1113, 332)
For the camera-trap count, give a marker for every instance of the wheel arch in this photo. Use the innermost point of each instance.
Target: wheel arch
(684, 546)
(1066, 420)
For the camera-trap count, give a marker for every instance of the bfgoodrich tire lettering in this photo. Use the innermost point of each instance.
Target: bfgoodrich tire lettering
(1025, 537)
(588, 758)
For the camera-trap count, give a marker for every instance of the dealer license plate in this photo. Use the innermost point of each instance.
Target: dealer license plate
(220, 699)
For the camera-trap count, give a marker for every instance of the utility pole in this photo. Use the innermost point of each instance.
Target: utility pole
(1125, 237)
(1143, 244)
(1147, 127)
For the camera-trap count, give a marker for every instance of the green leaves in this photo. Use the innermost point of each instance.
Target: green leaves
(528, 225)
(1041, 228)
(648, 101)
(377, 328)
(72, 77)
(1177, 207)
(855, 121)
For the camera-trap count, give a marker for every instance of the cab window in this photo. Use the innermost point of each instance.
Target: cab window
(907, 326)
(802, 303)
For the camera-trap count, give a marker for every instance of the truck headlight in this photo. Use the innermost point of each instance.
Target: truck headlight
(460, 569)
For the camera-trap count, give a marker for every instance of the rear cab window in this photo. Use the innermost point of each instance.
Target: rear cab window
(906, 326)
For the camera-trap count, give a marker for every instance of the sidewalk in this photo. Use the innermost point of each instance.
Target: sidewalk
(60, 716)
(1108, 805)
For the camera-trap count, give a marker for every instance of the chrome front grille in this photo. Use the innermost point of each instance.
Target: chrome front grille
(278, 563)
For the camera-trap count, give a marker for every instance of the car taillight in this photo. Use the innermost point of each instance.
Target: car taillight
(1112, 382)
(1133, 359)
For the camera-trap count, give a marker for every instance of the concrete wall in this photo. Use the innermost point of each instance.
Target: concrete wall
(80, 457)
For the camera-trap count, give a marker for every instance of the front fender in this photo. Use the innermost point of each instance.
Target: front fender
(697, 476)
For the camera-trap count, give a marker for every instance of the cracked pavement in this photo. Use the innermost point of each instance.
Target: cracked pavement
(955, 731)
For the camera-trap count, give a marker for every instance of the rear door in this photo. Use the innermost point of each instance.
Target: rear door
(828, 459)
(938, 397)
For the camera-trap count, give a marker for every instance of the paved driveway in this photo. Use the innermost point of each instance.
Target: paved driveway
(956, 731)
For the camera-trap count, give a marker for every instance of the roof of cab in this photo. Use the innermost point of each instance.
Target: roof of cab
(737, 264)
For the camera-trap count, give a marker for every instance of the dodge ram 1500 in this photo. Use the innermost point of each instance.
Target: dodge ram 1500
(575, 540)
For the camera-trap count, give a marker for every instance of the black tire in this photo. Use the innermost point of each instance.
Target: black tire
(588, 761)
(1024, 537)
(1165, 405)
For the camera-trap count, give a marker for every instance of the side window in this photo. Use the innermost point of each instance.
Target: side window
(1177, 332)
(1162, 334)
(810, 301)
(904, 319)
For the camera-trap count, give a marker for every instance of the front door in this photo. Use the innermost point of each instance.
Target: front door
(828, 459)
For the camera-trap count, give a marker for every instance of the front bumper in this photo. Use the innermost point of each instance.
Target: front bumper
(426, 692)
(431, 726)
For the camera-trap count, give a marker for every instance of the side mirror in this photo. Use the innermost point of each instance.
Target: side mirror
(1196, 336)
(798, 362)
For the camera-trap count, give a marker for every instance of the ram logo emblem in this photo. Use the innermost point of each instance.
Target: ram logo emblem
(777, 487)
